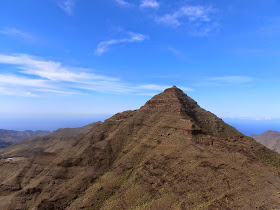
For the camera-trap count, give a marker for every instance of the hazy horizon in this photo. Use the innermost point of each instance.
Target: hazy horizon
(52, 123)
(69, 58)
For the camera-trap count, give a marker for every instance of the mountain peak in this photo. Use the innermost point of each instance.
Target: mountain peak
(174, 87)
(170, 100)
(176, 108)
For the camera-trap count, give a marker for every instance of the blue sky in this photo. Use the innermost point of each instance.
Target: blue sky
(90, 59)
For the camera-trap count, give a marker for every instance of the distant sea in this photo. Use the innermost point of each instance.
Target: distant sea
(249, 127)
(51, 123)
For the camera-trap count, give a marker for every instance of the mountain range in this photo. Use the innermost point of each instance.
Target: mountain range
(9, 137)
(53, 142)
(270, 139)
(169, 154)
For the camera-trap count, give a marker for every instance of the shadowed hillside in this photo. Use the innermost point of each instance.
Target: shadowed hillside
(169, 154)
(270, 139)
(9, 137)
(54, 142)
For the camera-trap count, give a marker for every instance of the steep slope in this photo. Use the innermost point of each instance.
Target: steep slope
(54, 142)
(168, 154)
(270, 139)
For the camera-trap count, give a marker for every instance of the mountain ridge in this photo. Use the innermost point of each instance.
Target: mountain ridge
(54, 141)
(270, 139)
(9, 137)
(170, 153)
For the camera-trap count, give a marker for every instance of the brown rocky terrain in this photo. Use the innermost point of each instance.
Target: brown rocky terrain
(169, 154)
(270, 139)
(54, 142)
(9, 137)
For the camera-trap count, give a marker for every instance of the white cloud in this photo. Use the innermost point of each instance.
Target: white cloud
(132, 37)
(22, 81)
(192, 13)
(15, 92)
(199, 17)
(36, 76)
(169, 19)
(149, 4)
(10, 31)
(4, 91)
(66, 5)
(196, 13)
(50, 70)
(57, 91)
(21, 86)
(186, 89)
(160, 87)
(147, 94)
(177, 53)
(122, 2)
(103, 46)
(152, 87)
(28, 94)
(226, 80)
(231, 79)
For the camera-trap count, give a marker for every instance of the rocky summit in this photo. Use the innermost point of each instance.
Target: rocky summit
(169, 154)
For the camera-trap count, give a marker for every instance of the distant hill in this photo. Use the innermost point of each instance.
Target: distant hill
(53, 142)
(169, 154)
(270, 139)
(9, 137)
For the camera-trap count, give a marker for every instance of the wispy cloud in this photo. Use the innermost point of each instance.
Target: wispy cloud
(231, 79)
(36, 76)
(122, 2)
(15, 92)
(178, 54)
(14, 32)
(226, 80)
(132, 37)
(66, 5)
(22, 81)
(57, 91)
(161, 87)
(47, 69)
(152, 87)
(200, 18)
(192, 13)
(149, 4)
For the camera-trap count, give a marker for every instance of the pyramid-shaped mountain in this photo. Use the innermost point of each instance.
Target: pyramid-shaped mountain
(182, 112)
(169, 154)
